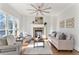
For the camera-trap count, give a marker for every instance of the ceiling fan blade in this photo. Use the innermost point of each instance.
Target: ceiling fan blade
(33, 12)
(46, 11)
(47, 8)
(31, 9)
(33, 6)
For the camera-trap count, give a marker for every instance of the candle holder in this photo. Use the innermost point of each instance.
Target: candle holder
(45, 23)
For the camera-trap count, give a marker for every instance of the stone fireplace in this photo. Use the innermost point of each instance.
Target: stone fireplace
(38, 31)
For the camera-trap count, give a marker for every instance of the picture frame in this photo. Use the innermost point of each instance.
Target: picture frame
(62, 24)
(39, 20)
(70, 23)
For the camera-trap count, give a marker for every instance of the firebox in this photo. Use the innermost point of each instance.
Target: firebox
(38, 32)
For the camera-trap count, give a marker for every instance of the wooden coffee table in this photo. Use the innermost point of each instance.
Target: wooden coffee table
(37, 42)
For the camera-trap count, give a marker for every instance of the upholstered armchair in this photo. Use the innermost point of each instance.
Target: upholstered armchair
(9, 46)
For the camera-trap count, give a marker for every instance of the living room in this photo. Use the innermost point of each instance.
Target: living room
(20, 20)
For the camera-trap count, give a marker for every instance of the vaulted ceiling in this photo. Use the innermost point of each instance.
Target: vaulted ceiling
(57, 8)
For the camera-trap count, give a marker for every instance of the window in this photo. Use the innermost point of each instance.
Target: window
(2, 23)
(8, 25)
(12, 25)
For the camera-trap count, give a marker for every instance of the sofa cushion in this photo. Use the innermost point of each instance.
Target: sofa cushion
(3, 41)
(11, 40)
(52, 34)
(69, 36)
(58, 35)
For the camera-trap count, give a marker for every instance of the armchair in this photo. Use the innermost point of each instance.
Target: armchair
(9, 46)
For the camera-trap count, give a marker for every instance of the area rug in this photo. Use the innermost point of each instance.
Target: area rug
(30, 50)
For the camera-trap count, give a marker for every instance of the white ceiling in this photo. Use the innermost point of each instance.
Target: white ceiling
(56, 7)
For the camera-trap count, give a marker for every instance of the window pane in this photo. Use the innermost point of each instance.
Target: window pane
(10, 22)
(10, 32)
(2, 32)
(2, 20)
(15, 26)
(2, 15)
(2, 25)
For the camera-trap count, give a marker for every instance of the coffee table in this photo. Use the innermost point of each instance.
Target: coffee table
(37, 42)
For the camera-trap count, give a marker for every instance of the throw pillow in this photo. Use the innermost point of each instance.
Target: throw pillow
(58, 35)
(62, 36)
(54, 33)
(69, 36)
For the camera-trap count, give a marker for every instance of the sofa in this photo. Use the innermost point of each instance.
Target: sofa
(9, 46)
(62, 41)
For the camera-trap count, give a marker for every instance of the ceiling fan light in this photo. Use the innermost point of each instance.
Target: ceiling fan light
(40, 9)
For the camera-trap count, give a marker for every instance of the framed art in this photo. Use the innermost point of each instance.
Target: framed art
(62, 24)
(70, 23)
(39, 20)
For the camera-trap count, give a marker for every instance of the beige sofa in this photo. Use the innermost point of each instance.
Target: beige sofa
(61, 44)
(9, 46)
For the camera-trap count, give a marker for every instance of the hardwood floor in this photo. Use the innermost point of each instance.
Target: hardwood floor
(63, 52)
(56, 52)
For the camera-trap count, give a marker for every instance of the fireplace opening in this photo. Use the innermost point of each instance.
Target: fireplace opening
(38, 32)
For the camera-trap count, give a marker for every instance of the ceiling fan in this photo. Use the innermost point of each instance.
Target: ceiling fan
(39, 9)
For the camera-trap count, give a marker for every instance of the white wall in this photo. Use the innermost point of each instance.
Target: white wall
(53, 23)
(27, 23)
(9, 10)
(72, 11)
